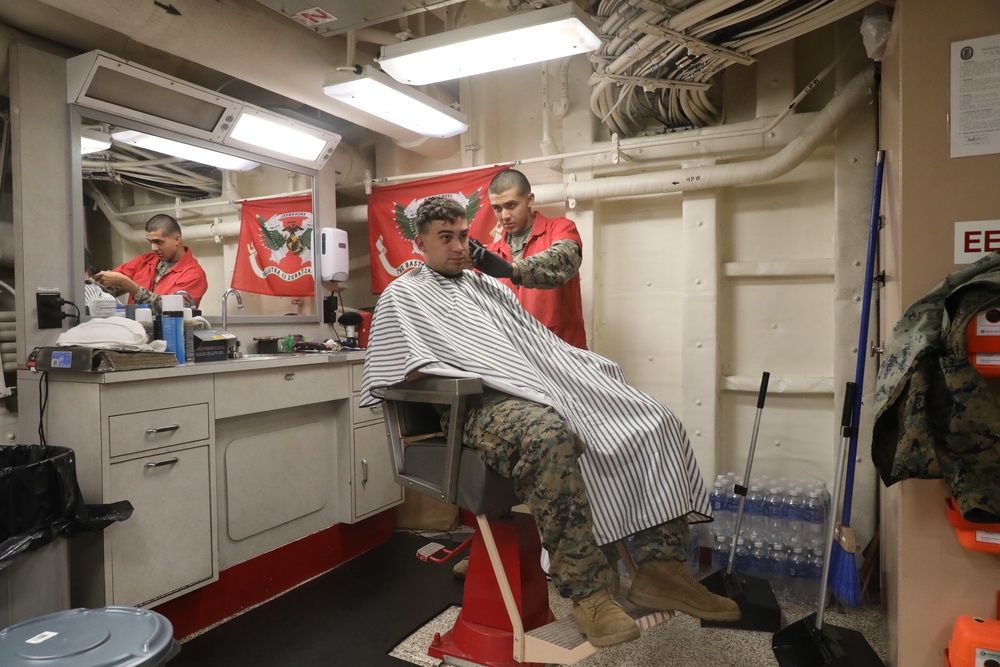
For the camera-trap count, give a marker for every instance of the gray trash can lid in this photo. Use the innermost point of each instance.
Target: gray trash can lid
(118, 636)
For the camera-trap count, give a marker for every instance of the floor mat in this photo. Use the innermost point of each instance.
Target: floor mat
(353, 615)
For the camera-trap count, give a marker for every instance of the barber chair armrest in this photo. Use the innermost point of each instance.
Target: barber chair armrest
(434, 389)
(400, 424)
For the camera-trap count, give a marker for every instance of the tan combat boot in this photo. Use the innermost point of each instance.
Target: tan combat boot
(667, 586)
(603, 620)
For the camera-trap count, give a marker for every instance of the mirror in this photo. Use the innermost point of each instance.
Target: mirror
(126, 180)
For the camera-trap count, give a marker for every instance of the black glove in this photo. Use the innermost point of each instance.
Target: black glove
(488, 262)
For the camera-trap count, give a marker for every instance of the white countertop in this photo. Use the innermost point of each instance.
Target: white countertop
(203, 367)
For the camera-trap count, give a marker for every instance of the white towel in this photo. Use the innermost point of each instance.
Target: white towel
(113, 333)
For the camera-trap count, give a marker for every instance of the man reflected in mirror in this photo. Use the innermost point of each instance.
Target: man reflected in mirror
(168, 268)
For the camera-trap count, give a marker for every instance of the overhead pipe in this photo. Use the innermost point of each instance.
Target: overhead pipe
(688, 179)
(720, 175)
(216, 229)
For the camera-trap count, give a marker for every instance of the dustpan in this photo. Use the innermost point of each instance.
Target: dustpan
(810, 642)
(759, 609)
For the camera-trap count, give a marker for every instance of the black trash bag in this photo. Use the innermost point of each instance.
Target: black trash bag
(40, 500)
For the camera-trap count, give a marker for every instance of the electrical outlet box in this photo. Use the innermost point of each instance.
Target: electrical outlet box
(49, 304)
(330, 309)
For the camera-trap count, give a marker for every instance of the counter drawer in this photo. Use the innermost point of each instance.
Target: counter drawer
(252, 392)
(360, 415)
(357, 372)
(140, 431)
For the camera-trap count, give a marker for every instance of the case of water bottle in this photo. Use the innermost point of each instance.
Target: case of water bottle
(782, 534)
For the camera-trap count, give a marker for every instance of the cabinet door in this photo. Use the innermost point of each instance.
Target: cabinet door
(374, 487)
(166, 545)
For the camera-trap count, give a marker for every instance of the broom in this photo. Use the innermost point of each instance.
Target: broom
(844, 576)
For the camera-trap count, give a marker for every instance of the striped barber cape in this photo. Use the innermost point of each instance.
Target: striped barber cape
(639, 467)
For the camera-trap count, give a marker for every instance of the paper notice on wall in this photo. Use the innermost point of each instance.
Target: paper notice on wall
(975, 96)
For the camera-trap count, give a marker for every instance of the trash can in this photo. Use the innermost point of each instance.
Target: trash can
(40, 501)
(35, 583)
(105, 637)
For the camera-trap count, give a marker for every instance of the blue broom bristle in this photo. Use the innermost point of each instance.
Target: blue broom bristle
(845, 581)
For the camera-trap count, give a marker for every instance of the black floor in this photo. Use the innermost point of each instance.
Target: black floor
(351, 616)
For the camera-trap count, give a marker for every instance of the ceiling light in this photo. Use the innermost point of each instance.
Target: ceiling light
(255, 130)
(530, 37)
(93, 140)
(107, 84)
(373, 92)
(183, 151)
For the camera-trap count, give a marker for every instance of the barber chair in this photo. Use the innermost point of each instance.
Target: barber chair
(505, 619)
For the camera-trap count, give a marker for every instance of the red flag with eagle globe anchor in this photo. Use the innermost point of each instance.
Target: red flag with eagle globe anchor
(392, 211)
(275, 254)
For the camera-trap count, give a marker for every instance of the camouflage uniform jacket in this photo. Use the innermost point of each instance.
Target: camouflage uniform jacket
(935, 416)
(549, 288)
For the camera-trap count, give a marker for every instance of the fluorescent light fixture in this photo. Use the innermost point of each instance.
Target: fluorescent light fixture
(530, 37)
(375, 93)
(183, 151)
(93, 140)
(110, 85)
(255, 130)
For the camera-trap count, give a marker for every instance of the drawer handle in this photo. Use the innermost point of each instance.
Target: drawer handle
(289, 376)
(162, 429)
(364, 471)
(166, 462)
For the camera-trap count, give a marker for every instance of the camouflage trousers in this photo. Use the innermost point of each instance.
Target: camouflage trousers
(530, 443)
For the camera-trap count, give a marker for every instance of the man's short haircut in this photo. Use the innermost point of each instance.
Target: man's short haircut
(440, 208)
(164, 224)
(510, 179)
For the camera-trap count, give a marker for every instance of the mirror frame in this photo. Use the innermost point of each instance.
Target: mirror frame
(78, 224)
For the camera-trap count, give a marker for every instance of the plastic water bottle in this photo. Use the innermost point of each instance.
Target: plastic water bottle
(732, 502)
(778, 569)
(798, 575)
(792, 512)
(720, 553)
(721, 525)
(759, 564)
(815, 520)
(773, 517)
(753, 515)
(824, 494)
(815, 575)
(691, 563)
(742, 560)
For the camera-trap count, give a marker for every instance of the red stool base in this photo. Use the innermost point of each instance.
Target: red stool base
(486, 646)
(482, 634)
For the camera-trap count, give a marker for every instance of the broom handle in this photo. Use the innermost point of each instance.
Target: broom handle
(846, 430)
(859, 375)
(742, 489)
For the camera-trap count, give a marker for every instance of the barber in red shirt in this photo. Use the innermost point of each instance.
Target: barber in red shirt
(168, 269)
(537, 257)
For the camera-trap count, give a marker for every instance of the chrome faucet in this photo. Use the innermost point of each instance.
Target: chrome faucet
(225, 305)
(188, 299)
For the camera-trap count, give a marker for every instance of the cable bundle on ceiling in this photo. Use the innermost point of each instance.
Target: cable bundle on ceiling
(167, 175)
(654, 69)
